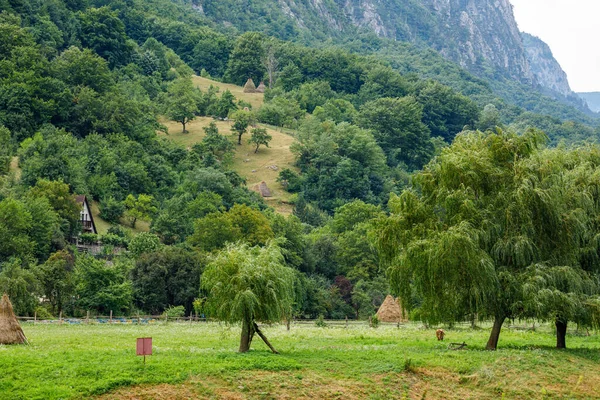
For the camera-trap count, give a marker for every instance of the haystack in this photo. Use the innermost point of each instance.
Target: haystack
(264, 190)
(391, 311)
(261, 88)
(250, 87)
(10, 330)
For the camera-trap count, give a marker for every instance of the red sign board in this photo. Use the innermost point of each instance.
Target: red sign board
(144, 347)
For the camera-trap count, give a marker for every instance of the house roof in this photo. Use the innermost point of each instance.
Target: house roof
(81, 199)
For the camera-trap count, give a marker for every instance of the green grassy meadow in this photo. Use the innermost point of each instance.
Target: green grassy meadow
(358, 362)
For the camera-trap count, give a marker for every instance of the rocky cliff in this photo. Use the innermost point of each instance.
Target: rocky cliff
(547, 71)
(480, 35)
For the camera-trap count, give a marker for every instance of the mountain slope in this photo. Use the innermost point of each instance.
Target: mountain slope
(480, 36)
(592, 99)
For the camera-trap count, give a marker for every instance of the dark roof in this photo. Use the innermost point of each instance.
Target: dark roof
(81, 199)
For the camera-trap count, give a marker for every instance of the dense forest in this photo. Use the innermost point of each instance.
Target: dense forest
(84, 84)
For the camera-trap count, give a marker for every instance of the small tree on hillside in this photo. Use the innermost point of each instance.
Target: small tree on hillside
(243, 119)
(181, 102)
(260, 136)
(140, 208)
(248, 284)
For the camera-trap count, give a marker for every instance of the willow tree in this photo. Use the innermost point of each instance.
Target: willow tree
(565, 286)
(249, 284)
(479, 218)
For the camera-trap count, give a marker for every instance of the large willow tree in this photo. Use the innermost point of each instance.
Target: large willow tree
(249, 284)
(494, 226)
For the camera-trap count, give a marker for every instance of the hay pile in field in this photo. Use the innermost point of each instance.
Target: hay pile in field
(391, 311)
(10, 330)
(261, 88)
(250, 87)
(262, 189)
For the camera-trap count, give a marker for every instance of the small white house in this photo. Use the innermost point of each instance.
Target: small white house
(86, 218)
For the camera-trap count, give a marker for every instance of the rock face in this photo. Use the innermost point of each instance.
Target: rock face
(477, 34)
(547, 71)
(592, 99)
(482, 36)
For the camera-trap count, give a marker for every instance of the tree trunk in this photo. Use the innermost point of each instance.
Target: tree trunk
(561, 334)
(264, 338)
(492, 343)
(240, 139)
(183, 123)
(247, 335)
(256, 151)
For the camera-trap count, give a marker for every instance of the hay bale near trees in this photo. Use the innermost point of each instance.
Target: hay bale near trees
(262, 189)
(250, 87)
(261, 88)
(391, 311)
(10, 330)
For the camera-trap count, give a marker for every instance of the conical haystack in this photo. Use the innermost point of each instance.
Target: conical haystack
(10, 330)
(391, 311)
(250, 87)
(261, 88)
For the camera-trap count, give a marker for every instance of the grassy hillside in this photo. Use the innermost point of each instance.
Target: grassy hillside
(256, 99)
(200, 361)
(254, 167)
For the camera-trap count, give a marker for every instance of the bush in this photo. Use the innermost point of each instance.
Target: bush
(374, 321)
(43, 313)
(320, 322)
(88, 238)
(111, 210)
(175, 312)
(111, 239)
(144, 243)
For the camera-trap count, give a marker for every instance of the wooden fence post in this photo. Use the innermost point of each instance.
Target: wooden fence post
(87, 318)
(60, 318)
(138, 317)
(34, 317)
(110, 320)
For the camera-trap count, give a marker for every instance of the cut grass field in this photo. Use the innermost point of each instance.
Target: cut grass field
(200, 361)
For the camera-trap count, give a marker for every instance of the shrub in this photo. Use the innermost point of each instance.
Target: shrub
(88, 238)
(320, 322)
(175, 312)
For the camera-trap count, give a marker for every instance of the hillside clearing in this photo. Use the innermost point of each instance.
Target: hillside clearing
(199, 360)
(255, 99)
(254, 167)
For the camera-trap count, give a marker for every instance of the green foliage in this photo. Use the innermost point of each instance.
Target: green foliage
(246, 59)
(144, 242)
(139, 208)
(5, 150)
(506, 209)
(55, 277)
(320, 322)
(246, 283)
(88, 238)
(175, 312)
(280, 111)
(111, 210)
(102, 287)
(398, 128)
(20, 283)
(340, 163)
(260, 137)
(169, 276)
(181, 101)
(243, 119)
(240, 223)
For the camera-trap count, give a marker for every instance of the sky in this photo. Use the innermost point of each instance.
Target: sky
(570, 27)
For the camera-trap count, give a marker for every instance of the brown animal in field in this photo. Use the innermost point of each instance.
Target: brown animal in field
(440, 334)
